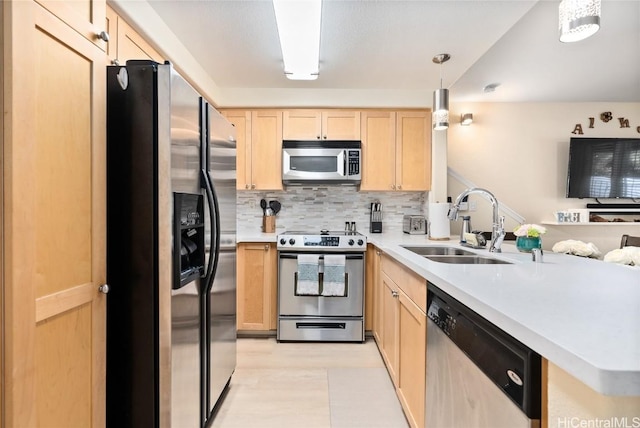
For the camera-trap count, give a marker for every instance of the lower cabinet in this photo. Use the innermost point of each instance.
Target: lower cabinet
(257, 286)
(400, 308)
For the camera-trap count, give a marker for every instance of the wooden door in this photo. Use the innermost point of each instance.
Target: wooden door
(266, 150)
(86, 16)
(254, 287)
(132, 45)
(413, 151)
(302, 125)
(412, 337)
(378, 131)
(54, 223)
(241, 120)
(390, 325)
(340, 125)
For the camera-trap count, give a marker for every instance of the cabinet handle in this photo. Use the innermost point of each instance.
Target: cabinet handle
(378, 253)
(317, 137)
(393, 187)
(394, 294)
(253, 186)
(246, 186)
(104, 289)
(399, 186)
(115, 62)
(103, 35)
(325, 137)
(266, 247)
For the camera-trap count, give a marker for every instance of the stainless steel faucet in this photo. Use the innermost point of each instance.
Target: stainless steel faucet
(497, 232)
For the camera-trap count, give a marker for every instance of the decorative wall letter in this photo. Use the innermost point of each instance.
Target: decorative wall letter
(577, 130)
(591, 121)
(624, 123)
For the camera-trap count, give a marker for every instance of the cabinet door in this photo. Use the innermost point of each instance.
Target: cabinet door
(131, 45)
(302, 125)
(255, 274)
(378, 150)
(241, 120)
(389, 341)
(413, 151)
(87, 17)
(369, 288)
(377, 324)
(412, 336)
(53, 222)
(111, 27)
(266, 150)
(340, 125)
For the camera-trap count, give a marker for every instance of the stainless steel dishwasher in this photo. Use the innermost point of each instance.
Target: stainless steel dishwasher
(478, 376)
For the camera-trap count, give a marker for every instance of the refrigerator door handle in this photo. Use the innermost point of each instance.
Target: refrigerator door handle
(214, 217)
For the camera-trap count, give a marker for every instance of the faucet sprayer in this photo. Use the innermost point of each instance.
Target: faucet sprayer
(497, 232)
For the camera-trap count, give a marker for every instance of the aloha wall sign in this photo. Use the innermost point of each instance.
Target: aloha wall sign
(605, 117)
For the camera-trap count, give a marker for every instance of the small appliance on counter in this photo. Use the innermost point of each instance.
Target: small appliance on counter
(414, 225)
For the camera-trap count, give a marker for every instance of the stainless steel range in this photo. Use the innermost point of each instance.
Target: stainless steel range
(321, 286)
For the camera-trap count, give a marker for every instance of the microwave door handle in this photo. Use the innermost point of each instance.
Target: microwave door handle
(344, 163)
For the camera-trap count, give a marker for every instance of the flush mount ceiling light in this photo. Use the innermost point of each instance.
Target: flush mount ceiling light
(299, 31)
(578, 19)
(440, 115)
(466, 119)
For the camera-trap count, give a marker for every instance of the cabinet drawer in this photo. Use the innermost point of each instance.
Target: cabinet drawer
(413, 285)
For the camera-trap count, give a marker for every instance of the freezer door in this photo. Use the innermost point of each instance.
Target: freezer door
(186, 125)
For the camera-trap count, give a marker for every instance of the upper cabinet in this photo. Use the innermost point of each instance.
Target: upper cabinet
(259, 148)
(125, 43)
(396, 150)
(321, 125)
(87, 17)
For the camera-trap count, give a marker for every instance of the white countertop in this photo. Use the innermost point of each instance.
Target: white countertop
(581, 314)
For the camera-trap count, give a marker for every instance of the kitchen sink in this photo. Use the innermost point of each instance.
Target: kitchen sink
(439, 251)
(467, 260)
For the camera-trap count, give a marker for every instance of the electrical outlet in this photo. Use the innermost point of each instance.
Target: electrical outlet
(473, 206)
(252, 203)
(464, 206)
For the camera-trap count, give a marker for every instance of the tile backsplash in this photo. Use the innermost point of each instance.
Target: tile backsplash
(315, 208)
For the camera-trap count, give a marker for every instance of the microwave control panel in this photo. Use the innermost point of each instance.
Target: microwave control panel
(354, 162)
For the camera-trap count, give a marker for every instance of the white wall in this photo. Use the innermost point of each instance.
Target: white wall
(519, 151)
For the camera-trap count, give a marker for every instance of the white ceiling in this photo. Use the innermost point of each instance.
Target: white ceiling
(380, 53)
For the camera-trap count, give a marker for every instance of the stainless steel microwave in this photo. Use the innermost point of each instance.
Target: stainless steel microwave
(321, 162)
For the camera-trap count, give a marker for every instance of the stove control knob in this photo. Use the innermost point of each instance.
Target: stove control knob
(350, 241)
(292, 241)
(360, 242)
(283, 241)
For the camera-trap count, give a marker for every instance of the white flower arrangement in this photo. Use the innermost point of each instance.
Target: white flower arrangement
(530, 230)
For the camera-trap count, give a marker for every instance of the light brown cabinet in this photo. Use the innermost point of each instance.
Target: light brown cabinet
(125, 43)
(403, 334)
(259, 156)
(396, 150)
(53, 221)
(372, 293)
(257, 286)
(321, 125)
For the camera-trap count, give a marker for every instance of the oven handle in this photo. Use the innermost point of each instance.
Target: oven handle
(358, 256)
(315, 325)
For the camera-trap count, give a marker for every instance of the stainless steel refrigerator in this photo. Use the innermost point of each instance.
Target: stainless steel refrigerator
(171, 250)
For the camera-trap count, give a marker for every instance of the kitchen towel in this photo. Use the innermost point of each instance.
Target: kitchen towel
(308, 282)
(439, 226)
(333, 283)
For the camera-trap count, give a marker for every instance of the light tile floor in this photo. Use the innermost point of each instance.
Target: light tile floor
(309, 385)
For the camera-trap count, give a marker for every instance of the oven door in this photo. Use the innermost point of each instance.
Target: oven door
(293, 303)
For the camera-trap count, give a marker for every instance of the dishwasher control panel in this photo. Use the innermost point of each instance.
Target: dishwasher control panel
(439, 313)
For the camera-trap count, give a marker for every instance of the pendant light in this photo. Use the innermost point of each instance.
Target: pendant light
(578, 19)
(440, 115)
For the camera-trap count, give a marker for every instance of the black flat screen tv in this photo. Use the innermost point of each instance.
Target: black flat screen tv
(604, 168)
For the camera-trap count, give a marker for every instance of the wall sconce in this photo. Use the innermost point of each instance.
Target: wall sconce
(578, 19)
(466, 119)
(440, 115)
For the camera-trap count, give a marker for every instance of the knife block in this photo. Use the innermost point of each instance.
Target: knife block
(269, 224)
